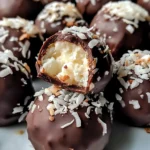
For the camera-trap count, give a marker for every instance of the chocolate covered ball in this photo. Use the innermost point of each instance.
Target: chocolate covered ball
(16, 89)
(75, 59)
(24, 8)
(22, 37)
(63, 120)
(130, 88)
(89, 8)
(124, 25)
(58, 15)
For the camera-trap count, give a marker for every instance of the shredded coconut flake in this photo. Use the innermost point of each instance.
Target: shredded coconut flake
(77, 119)
(55, 11)
(67, 124)
(39, 93)
(142, 96)
(33, 108)
(68, 101)
(17, 110)
(19, 23)
(104, 126)
(126, 10)
(40, 98)
(22, 117)
(135, 104)
(93, 2)
(93, 43)
(130, 29)
(118, 97)
(148, 96)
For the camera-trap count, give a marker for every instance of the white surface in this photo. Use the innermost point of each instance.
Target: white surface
(123, 137)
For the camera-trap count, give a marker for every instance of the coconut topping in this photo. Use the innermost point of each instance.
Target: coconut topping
(8, 61)
(56, 12)
(67, 101)
(128, 11)
(3, 34)
(67, 124)
(85, 33)
(21, 44)
(132, 70)
(135, 104)
(134, 64)
(148, 96)
(20, 23)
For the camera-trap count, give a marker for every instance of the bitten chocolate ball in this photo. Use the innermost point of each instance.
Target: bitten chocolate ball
(63, 120)
(24, 8)
(56, 16)
(49, 1)
(89, 8)
(16, 89)
(76, 60)
(22, 37)
(124, 25)
(130, 88)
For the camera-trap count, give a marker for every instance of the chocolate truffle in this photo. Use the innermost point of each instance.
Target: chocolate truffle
(75, 59)
(24, 8)
(56, 16)
(22, 37)
(89, 8)
(16, 89)
(63, 120)
(130, 88)
(124, 25)
(145, 4)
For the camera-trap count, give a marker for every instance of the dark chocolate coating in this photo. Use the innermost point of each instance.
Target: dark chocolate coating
(35, 44)
(103, 64)
(49, 1)
(144, 4)
(47, 135)
(13, 92)
(24, 8)
(121, 41)
(52, 30)
(88, 10)
(129, 115)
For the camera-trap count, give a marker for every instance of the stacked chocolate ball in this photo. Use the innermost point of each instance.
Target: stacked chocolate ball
(79, 65)
(90, 69)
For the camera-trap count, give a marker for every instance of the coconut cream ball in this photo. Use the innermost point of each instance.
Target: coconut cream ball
(58, 15)
(16, 89)
(124, 25)
(130, 88)
(60, 120)
(22, 37)
(75, 59)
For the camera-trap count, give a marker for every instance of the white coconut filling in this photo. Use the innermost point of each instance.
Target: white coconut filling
(67, 62)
